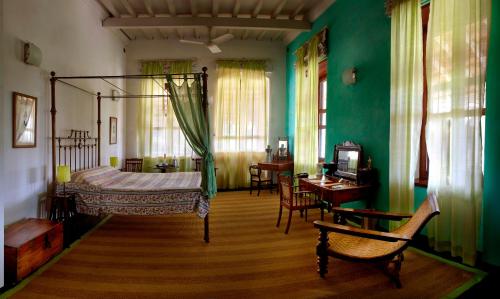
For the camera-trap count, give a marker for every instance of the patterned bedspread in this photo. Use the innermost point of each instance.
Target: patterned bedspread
(110, 191)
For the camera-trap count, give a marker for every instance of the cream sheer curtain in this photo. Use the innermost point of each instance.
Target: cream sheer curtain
(158, 132)
(241, 123)
(456, 62)
(306, 109)
(406, 102)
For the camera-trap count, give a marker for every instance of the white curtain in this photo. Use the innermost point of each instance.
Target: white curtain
(305, 154)
(241, 121)
(159, 136)
(406, 101)
(456, 62)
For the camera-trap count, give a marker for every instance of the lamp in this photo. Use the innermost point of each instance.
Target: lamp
(63, 176)
(32, 54)
(113, 161)
(349, 76)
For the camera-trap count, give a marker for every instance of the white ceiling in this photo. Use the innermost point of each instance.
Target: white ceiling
(207, 19)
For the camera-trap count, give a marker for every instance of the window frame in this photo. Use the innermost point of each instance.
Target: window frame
(322, 76)
(423, 158)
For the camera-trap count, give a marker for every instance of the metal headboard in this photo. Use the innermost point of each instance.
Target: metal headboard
(78, 150)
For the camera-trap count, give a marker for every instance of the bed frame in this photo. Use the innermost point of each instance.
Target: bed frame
(83, 151)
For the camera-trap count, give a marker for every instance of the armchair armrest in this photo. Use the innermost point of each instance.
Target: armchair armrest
(360, 232)
(372, 213)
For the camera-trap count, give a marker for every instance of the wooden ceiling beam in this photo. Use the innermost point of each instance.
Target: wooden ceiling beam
(215, 8)
(129, 8)
(257, 9)
(236, 8)
(194, 8)
(245, 34)
(149, 7)
(297, 11)
(110, 7)
(278, 9)
(211, 32)
(171, 8)
(277, 36)
(236, 23)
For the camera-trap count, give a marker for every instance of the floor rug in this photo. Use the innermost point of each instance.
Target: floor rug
(247, 257)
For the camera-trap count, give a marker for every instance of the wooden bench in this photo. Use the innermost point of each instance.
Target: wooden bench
(29, 244)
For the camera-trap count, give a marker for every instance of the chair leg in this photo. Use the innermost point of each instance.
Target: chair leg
(393, 272)
(289, 221)
(397, 269)
(279, 216)
(258, 188)
(322, 252)
(251, 187)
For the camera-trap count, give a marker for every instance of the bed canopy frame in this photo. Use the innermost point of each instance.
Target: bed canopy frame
(79, 139)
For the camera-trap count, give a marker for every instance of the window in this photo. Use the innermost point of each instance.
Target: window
(322, 89)
(168, 139)
(159, 133)
(423, 170)
(241, 110)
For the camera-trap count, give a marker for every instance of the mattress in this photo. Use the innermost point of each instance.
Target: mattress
(105, 190)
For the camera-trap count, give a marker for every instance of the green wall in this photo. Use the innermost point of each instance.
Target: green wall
(491, 201)
(359, 36)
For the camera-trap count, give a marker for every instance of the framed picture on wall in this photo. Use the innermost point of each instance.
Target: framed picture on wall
(23, 120)
(113, 130)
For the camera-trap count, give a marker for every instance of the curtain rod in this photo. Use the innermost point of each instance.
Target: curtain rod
(242, 60)
(135, 96)
(167, 60)
(126, 76)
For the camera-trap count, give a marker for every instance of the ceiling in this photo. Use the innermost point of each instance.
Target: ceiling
(271, 20)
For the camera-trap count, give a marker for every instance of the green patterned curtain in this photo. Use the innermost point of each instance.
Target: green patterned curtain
(186, 101)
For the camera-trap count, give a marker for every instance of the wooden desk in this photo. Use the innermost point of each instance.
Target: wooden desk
(278, 166)
(338, 195)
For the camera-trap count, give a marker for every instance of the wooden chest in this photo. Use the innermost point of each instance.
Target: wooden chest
(29, 244)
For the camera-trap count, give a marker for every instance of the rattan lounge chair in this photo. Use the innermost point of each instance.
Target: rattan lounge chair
(366, 245)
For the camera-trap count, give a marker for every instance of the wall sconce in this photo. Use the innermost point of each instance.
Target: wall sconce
(349, 76)
(32, 54)
(115, 95)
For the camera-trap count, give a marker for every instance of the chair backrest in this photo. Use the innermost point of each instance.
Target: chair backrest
(286, 188)
(255, 171)
(197, 164)
(133, 165)
(428, 209)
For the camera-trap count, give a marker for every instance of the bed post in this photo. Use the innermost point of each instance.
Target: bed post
(99, 129)
(204, 104)
(53, 128)
(204, 96)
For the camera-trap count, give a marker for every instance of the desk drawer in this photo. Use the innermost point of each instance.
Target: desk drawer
(351, 195)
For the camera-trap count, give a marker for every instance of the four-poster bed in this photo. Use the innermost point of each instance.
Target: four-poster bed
(102, 189)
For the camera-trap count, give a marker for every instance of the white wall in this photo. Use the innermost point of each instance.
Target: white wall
(72, 42)
(2, 187)
(274, 52)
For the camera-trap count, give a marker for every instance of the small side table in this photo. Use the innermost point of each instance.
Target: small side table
(63, 209)
(166, 167)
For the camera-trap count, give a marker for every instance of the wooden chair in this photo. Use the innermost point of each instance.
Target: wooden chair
(133, 165)
(366, 245)
(259, 178)
(295, 200)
